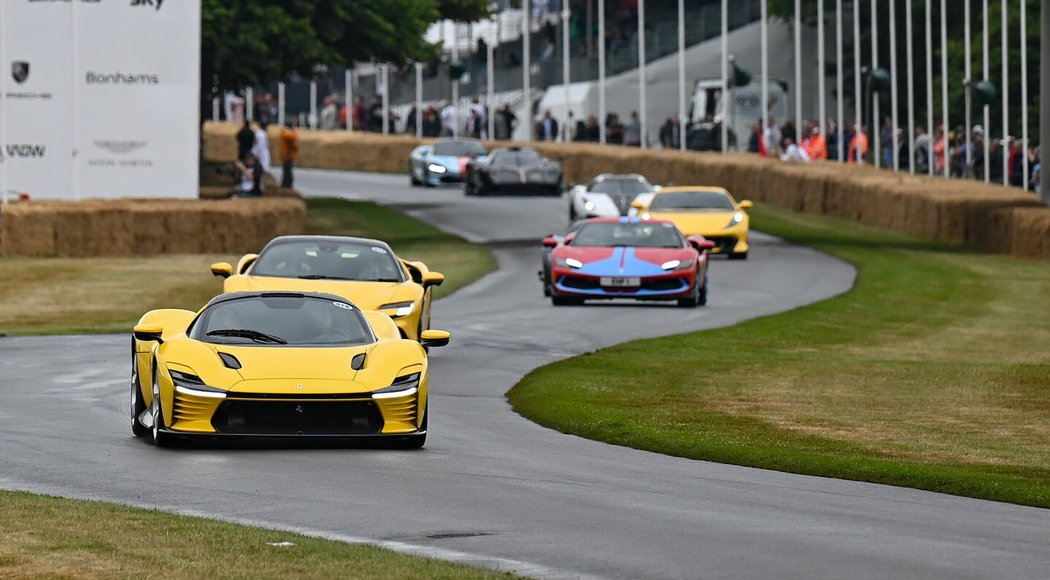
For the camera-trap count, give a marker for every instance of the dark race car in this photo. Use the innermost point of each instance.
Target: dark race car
(513, 170)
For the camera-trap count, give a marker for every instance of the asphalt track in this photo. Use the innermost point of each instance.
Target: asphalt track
(492, 488)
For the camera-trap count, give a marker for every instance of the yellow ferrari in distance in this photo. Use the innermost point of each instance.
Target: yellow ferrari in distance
(278, 364)
(710, 212)
(363, 271)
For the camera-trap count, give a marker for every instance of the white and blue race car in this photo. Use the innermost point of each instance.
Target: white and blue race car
(443, 162)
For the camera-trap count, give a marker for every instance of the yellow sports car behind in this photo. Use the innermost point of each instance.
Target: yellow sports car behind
(278, 364)
(710, 212)
(364, 271)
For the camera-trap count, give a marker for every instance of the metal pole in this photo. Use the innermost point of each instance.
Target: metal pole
(895, 152)
(726, 96)
(681, 80)
(566, 116)
(385, 68)
(944, 87)
(249, 104)
(930, 161)
(419, 102)
(601, 71)
(858, 104)
(876, 123)
(280, 104)
(967, 81)
(3, 107)
(526, 60)
(765, 70)
(798, 72)
(822, 111)
(458, 119)
(313, 104)
(76, 103)
(1006, 100)
(909, 50)
(987, 110)
(215, 114)
(490, 73)
(642, 114)
(1044, 100)
(839, 96)
(1024, 96)
(348, 82)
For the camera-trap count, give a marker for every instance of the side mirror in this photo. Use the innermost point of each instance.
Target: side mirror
(550, 242)
(433, 279)
(746, 204)
(245, 262)
(700, 243)
(637, 205)
(148, 333)
(222, 270)
(434, 338)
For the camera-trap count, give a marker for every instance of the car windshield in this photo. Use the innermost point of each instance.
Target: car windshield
(629, 187)
(335, 260)
(458, 149)
(522, 158)
(692, 201)
(282, 320)
(642, 234)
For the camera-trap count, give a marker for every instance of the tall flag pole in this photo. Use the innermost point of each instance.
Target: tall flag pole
(876, 123)
(858, 99)
(1024, 96)
(490, 73)
(967, 45)
(895, 152)
(526, 58)
(1044, 95)
(1006, 94)
(909, 50)
(601, 71)
(348, 81)
(419, 104)
(566, 14)
(765, 69)
(385, 69)
(944, 87)
(822, 114)
(839, 95)
(798, 71)
(987, 110)
(642, 89)
(929, 92)
(726, 97)
(681, 76)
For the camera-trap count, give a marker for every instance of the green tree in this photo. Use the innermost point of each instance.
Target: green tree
(253, 42)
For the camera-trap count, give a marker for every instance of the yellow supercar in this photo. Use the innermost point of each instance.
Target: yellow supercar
(278, 364)
(710, 212)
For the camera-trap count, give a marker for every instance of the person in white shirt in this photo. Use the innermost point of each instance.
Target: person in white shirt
(793, 152)
(261, 148)
(772, 136)
(449, 120)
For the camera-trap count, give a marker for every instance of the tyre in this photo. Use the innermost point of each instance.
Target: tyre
(159, 437)
(693, 299)
(572, 214)
(739, 256)
(702, 301)
(138, 405)
(412, 176)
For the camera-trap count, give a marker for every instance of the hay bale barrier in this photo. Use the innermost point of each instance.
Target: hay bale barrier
(144, 227)
(986, 217)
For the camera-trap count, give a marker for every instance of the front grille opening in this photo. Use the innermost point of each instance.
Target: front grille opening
(663, 284)
(298, 417)
(579, 283)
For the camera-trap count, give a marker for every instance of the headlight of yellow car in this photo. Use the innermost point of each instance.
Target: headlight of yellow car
(192, 385)
(737, 218)
(400, 309)
(403, 386)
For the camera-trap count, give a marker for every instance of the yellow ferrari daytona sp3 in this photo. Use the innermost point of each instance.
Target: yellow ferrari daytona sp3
(278, 364)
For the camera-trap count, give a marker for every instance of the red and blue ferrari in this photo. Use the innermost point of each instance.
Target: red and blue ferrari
(627, 257)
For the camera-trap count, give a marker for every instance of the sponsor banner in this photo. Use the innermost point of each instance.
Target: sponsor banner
(114, 110)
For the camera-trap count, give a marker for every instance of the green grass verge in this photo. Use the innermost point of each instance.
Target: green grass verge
(931, 373)
(46, 537)
(102, 295)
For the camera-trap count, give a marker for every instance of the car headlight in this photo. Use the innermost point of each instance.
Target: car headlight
(192, 385)
(589, 205)
(402, 386)
(677, 264)
(737, 218)
(400, 309)
(435, 168)
(568, 263)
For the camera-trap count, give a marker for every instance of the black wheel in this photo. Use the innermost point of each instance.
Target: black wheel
(702, 301)
(565, 301)
(138, 404)
(555, 191)
(417, 440)
(156, 411)
(412, 176)
(547, 292)
(739, 256)
(693, 299)
(572, 213)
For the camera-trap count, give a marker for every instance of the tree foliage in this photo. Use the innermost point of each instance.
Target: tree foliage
(246, 42)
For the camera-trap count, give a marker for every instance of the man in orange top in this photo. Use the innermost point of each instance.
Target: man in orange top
(289, 151)
(816, 145)
(858, 145)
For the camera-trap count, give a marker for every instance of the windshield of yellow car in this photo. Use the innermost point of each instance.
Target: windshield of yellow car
(310, 260)
(641, 235)
(699, 200)
(282, 320)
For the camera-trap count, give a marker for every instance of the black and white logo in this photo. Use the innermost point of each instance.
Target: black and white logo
(152, 3)
(22, 151)
(119, 147)
(20, 71)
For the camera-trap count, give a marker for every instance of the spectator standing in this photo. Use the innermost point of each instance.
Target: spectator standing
(289, 151)
(506, 122)
(816, 146)
(261, 147)
(594, 134)
(329, 120)
(375, 115)
(360, 113)
(771, 138)
(977, 159)
(832, 138)
(755, 141)
(547, 128)
(858, 145)
(633, 132)
(886, 142)
(922, 150)
(940, 149)
(1037, 169)
(614, 129)
(245, 139)
(431, 122)
(670, 136)
(1016, 163)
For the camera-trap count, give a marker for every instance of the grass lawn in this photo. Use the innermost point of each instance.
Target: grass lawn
(47, 537)
(933, 372)
(94, 295)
